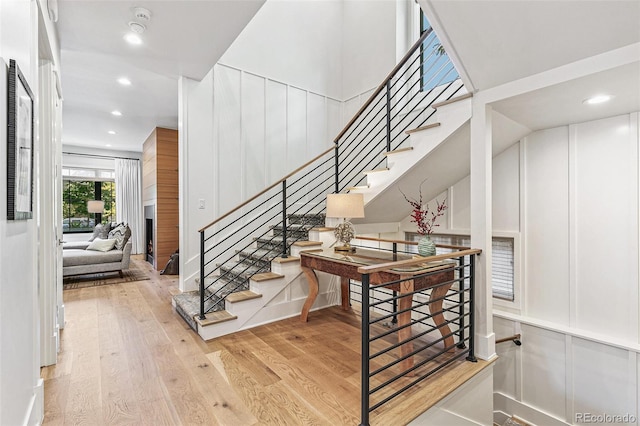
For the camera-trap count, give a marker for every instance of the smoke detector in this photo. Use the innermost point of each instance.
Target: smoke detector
(141, 14)
(136, 27)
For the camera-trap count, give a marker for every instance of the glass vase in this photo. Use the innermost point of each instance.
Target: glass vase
(426, 247)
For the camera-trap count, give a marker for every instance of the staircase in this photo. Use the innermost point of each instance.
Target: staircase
(233, 281)
(245, 286)
(413, 124)
(437, 152)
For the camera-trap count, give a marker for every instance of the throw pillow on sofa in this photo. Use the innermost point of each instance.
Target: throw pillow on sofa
(100, 231)
(102, 245)
(121, 233)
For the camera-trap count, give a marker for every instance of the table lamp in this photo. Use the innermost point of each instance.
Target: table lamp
(95, 206)
(345, 206)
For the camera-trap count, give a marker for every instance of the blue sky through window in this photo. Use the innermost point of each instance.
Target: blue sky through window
(436, 68)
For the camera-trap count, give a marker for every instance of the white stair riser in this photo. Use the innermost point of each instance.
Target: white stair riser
(423, 143)
(376, 178)
(282, 302)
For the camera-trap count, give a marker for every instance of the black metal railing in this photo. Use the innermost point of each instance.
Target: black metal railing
(243, 241)
(260, 229)
(434, 296)
(401, 102)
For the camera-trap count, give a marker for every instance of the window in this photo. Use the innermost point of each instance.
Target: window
(436, 69)
(80, 186)
(502, 259)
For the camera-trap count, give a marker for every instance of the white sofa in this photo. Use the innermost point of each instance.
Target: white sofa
(77, 260)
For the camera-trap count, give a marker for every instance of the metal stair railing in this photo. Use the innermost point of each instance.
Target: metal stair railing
(260, 224)
(401, 102)
(301, 192)
(441, 305)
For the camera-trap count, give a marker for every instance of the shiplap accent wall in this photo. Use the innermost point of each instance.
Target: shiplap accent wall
(267, 129)
(579, 316)
(570, 198)
(246, 132)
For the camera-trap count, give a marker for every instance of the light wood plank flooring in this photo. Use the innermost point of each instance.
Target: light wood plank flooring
(128, 358)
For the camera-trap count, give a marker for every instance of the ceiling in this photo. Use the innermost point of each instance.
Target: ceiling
(502, 41)
(562, 104)
(181, 38)
(496, 41)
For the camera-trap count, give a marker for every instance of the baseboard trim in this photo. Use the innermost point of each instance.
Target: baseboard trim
(61, 316)
(35, 411)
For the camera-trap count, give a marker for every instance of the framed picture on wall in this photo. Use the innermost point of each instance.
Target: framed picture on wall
(19, 146)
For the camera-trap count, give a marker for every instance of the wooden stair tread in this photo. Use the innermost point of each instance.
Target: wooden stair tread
(385, 169)
(266, 276)
(286, 259)
(307, 243)
(419, 129)
(452, 100)
(397, 151)
(240, 296)
(352, 188)
(214, 318)
(323, 229)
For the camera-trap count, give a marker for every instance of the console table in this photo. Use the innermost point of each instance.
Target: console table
(345, 265)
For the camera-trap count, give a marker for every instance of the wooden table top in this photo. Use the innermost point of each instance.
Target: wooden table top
(367, 257)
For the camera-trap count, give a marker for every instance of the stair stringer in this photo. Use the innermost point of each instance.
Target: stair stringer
(440, 155)
(281, 298)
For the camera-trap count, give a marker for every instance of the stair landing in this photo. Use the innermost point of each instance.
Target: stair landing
(187, 305)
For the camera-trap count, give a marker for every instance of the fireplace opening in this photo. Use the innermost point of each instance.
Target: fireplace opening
(148, 233)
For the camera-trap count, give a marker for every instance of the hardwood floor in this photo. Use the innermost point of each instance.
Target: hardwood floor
(128, 358)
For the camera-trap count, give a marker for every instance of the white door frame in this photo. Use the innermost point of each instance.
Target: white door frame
(49, 280)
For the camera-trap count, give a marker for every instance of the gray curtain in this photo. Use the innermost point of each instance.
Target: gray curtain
(129, 199)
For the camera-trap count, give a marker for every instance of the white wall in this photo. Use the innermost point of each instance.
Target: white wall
(334, 47)
(274, 101)
(20, 390)
(457, 217)
(570, 198)
(368, 45)
(245, 132)
(580, 315)
(297, 42)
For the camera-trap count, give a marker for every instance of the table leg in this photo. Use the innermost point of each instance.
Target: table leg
(312, 279)
(404, 303)
(438, 318)
(345, 290)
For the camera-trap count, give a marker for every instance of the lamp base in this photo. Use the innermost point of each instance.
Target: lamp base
(345, 249)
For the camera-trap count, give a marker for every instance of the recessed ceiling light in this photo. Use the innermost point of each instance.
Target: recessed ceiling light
(111, 132)
(132, 38)
(108, 144)
(124, 81)
(116, 113)
(136, 27)
(598, 99)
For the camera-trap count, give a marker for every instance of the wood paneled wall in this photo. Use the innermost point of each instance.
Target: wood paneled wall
(160, 188)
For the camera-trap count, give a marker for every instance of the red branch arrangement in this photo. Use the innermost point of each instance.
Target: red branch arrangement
(421, 215)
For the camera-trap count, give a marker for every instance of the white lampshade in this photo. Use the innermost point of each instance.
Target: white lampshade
(95, 206)
(345, 205)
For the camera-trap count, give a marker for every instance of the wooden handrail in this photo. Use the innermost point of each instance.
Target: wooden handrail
(515, 339)
(382, 85)
(238, 207)
(411, 243)
(410, 262)
(384, 240)
(400, 64)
